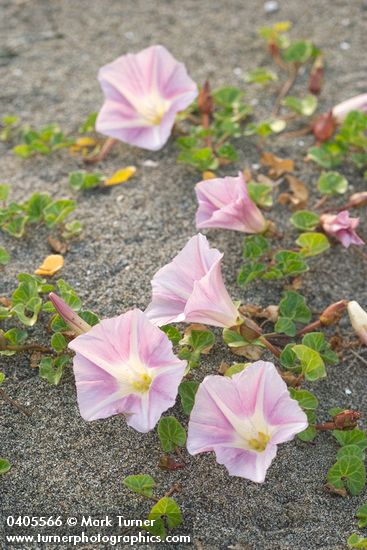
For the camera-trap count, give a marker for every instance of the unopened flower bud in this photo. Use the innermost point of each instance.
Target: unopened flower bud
(323, 127)
(250, 330)
(358, 319)
(205, 100)
(346, 420)
(358, 199)
(333, 313)
(72, 319)
(316, 76)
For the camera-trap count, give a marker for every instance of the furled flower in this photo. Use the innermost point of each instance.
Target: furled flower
(243, 418)
(358, 319)
(143, 93)
(72, 319)
(191, 289)
(126, 365)
(356, 103)
(225, 203)
(342, 227)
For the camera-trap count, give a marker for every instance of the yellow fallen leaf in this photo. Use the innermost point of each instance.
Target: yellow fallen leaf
(208, 175)
(121, 176)
(51, 265)
(86, 142)
(282, 26)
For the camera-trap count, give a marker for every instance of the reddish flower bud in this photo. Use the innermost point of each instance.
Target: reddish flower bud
(358, 199)
(72, 319)
(333, 313)
(346, 420)
(205, 100)
(323, 127)
(316, 76)
(273, 49)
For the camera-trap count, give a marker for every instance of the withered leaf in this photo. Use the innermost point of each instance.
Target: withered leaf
(277, 166)
(223, 367)
(35, 359)
(121, 176)
(342, 492)
(270, 312)
(298, 198)
(5, 301)
(250, 352)
(57, 246)
(166, 462)
(51, 265)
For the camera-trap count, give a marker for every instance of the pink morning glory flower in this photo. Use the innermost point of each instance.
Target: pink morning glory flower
(191, 289)
(356, 103)
(225, 203)
(341, 227)
(143, 93)
(243, 418)
(125, 365)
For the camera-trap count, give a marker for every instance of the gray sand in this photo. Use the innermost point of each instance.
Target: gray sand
(49, 56)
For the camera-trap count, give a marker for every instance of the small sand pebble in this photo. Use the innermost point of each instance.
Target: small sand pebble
(271, 6)
(150, 163)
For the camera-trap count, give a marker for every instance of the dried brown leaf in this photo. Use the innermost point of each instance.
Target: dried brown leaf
(223, 367)
(250, 352)
(57, 246)
(277, 166)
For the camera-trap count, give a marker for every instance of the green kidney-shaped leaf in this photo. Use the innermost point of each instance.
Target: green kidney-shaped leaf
(293, 306)
(351, 437)
(305, 220)
(332, 183)
(362, 516)
(250, 272)
(168, 509)
(286, 326)
(306, 399)
(312, 244)
(355, 541)
(172, 333)
(4, 256)
(171, 434)
(52, 369)
(4, 466)
(235, 369)
(303, 106)
(261, 193)
(350, 450)
(187, 391)
(200, 340)
(255, 246)
(312, 364)
(298, 52)
(140, 484)
(349, 472)
(58, 342)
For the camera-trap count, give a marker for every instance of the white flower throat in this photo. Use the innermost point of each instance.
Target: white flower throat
(152, 108)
